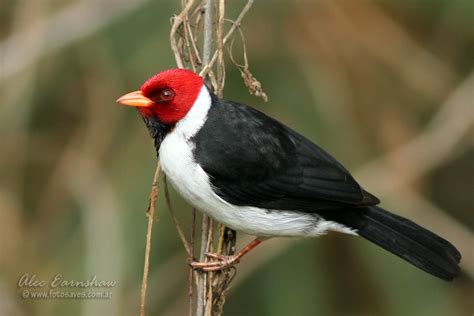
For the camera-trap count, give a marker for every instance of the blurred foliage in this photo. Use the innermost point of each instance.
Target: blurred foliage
(359, 77)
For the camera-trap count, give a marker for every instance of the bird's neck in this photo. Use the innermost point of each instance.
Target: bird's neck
(158, 130)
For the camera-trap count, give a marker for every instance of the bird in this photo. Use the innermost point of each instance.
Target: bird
(256, 175)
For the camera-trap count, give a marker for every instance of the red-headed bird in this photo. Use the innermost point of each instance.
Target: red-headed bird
(256, 175)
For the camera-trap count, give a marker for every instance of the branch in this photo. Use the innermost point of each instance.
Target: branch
(220, 50)
(207, 66)
(191, 270)
(206, 54)
(201, 283)
(206, 228)
(151, 217)
(177, 21)
(181, 234)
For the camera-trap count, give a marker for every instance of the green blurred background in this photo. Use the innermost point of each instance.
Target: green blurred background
(385, 86)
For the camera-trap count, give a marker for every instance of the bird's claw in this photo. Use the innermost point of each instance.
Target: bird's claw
(222, 262)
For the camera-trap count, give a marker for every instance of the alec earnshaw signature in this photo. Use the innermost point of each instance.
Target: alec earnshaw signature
(58, 281)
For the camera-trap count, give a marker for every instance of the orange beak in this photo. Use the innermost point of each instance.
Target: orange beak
(135, 98)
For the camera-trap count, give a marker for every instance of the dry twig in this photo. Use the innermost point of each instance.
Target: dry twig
(151, 217)
(202, 282)
(236, 24)
(177, 22)
(182, 236)
(191, 270)
(253, 85)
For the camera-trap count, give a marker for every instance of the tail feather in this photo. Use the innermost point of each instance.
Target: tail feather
(404, 238)
(415, 232)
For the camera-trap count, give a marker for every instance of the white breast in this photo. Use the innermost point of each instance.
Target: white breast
(190, 180)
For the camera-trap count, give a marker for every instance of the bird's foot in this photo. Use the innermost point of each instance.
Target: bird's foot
(222, 262)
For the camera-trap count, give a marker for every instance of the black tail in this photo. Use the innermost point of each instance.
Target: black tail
(403, 238)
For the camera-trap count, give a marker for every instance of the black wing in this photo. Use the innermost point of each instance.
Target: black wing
(255, 160)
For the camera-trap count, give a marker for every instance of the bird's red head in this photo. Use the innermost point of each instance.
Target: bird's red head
(168, 95)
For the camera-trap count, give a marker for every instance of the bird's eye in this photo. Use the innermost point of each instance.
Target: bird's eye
(166, 94)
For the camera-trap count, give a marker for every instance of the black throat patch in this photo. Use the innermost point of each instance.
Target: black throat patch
(158, 130)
